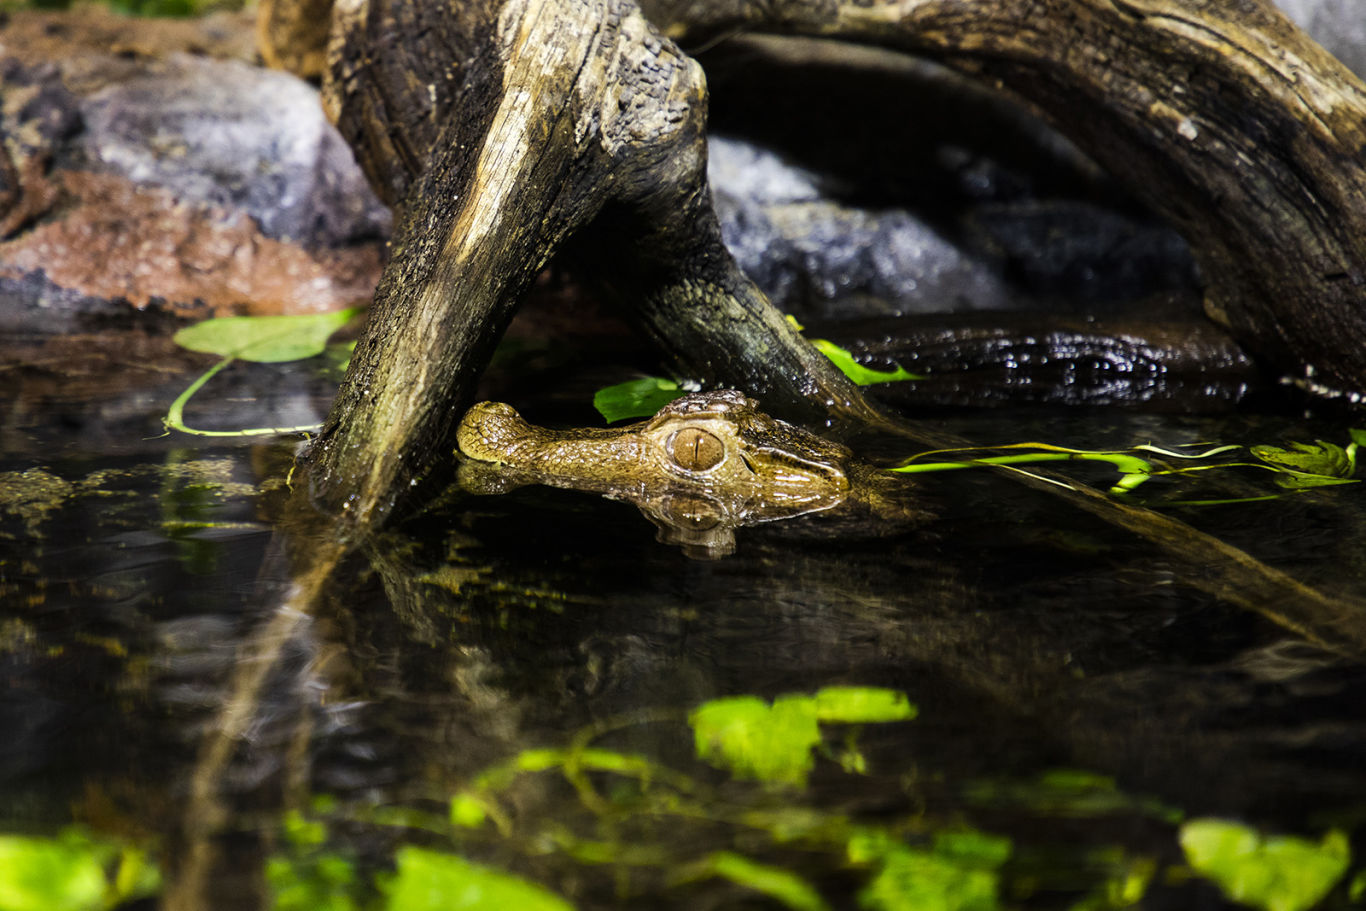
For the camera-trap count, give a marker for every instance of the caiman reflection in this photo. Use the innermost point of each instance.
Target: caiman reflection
(706, 464)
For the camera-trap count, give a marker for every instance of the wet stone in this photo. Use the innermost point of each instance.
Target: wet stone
(147, 165)
(231, 135)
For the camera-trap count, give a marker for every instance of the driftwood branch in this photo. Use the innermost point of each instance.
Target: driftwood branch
(1221, 114)
(498, 132)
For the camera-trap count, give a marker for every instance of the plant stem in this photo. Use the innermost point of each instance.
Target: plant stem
(175, 415)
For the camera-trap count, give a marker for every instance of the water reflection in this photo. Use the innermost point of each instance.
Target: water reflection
(173, 676)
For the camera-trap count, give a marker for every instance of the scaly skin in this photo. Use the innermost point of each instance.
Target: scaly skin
(705, 464)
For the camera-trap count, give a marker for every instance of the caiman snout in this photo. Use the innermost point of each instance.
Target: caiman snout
(490, 431)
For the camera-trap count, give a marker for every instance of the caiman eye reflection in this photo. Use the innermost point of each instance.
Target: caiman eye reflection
(696, 450)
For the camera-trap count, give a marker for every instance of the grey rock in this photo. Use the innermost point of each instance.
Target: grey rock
(806, 250)
(1339, 25)
(224, 133)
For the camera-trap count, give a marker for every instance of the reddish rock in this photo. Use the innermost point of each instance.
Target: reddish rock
(145, 163)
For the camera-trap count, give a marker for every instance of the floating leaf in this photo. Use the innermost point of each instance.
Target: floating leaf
(303, 832)
(753, 739)
(265, 339)
(635, 398)
(862, 704)
(1318, 458)
(431, 881)
(1276, 872)
(1299, 480)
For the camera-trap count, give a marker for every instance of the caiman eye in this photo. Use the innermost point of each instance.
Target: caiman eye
(696, 450)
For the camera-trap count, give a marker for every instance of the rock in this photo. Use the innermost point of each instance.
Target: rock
(239, 137)
(808, 251)
(142, 244)
(852, 182)
(148, 164)
(1336, 24)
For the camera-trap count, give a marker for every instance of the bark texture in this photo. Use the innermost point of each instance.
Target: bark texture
(499, 128)
(497, 131)
(1221, 114)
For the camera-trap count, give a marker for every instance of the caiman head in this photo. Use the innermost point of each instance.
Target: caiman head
(704, 465)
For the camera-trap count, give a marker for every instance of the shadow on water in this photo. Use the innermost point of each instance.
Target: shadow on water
(532, 682)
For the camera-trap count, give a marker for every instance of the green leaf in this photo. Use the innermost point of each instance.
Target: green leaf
(265, 339)
(1074, 793)
(467, 811)
(1299, 480)
(1318, 458)
(635, 398)
(912, 879)
(973, 849)
(431, 881)
(303, 832)
(779, 884)
(71, 873)
(321, 883)
(862, 705)
(770, 743)
(863, 376)
(1275, 872)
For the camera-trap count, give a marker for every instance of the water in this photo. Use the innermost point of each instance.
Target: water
(1081, 702)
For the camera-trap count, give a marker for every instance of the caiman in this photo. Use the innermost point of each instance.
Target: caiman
(705, 464)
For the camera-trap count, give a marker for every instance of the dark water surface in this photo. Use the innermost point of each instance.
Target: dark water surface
(1079, 701)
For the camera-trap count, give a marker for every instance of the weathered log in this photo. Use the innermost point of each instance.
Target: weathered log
(498, 131)
(1220, 114)
(501, 130)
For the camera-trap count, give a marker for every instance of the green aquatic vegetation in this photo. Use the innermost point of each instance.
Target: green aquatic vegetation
(72, 871)
(1068, 793)
(1316, 464)
(958, 872)
(432, 881)
(861, 375)
(32, 494)
(1301, 466)
(258, 339)
(586, 813)
(862, 705)
(1272, 872)
(775, 743)
(783, 886)
(1128, 881)
(641, 398)
(635, 398)
(844, 359)
(1134, 469)
(753, 739)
